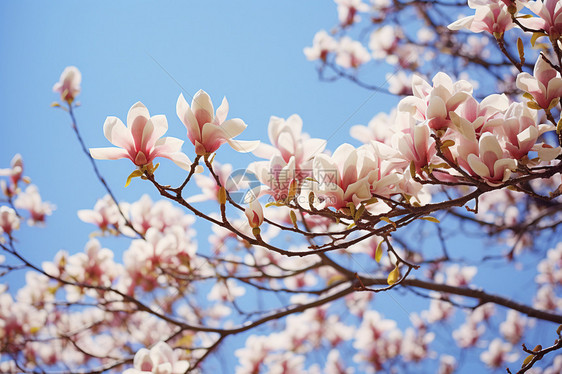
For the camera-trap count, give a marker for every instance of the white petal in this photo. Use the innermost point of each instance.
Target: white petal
(478, 166)
(181, 159)
(109, 153)
(222, 111)
(116, 132)
(463, 23)
(168, 145)
(202, 101)
(233, 127)
(243, 145)
(138, 109)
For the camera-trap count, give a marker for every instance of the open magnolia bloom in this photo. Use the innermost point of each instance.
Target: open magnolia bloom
(141, 141)
(544, 86)
(208, 132)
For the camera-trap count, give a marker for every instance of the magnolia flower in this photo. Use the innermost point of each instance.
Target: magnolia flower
(468, 334)
(288, 141)
(490, 163)
(348, 9)
(545, 85)
(69, 84)
(447, 364)
(9, 220)
(208, 131)
(15, 173)
(492, 16)
(497, 354)
(513, 328)
(276, 177)
(435, 103)
(322, 44)
(160, 359)
(550, 13)
(351, 176)
(351, 53)
(383, 42)
(105, 214)
(31, 201)
(522, 132)
(141, 140)
(254, 213)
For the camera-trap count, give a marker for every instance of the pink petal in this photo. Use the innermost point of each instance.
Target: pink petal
(116, 132)
(243, 146)
(109, 153)
(187, 117)
(222, 112)
(202, 102)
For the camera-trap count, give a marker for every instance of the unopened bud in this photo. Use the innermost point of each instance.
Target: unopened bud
(222, 196)
(393, 276)
(293, 218)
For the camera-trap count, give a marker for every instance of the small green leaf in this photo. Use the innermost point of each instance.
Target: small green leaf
(134, 174)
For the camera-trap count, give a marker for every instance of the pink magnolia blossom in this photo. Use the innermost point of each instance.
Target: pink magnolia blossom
(93, 266)
(276, 176)
(348, 9)
(15, 173)
(550, 268)
(434, 103)
(161, 215)
(9, 220)
(31, 201)
(550, 13)
(377, 340)
(141, 141)
(513, 327)
(399, 83)
(439, 310)
(491, 16)
(105, 214)
(460, 276)
(288, 141)
(252, 356)
(160, 359)
(208, 131)
(285, 363)
(335, 365)
(415, 344)
(383, 42)
(69, 84)
(254, 213)
(545, 85)
(351, 175)
(489, 161)
(447, 364)
(468, 334)
(416, 145)
(351, 53)
(226, 291)
(497, 354)
(322, 44)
